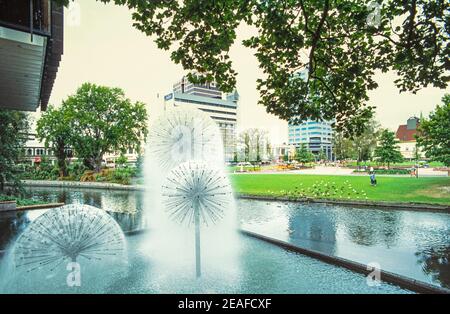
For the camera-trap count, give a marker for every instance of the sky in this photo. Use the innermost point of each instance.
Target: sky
(101, 46)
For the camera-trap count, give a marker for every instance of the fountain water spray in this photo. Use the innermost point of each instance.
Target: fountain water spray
(66, 234)
(184, 151)
(196, 194)
(184, 134)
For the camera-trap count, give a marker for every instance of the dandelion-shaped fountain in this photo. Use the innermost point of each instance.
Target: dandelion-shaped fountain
(67, 234)
(196, 194)
(184, 134)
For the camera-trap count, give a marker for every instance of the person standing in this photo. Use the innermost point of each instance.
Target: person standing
(373, 180)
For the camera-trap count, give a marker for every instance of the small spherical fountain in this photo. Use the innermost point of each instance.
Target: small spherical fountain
(183, 134)
(196, 194)
(67, 234)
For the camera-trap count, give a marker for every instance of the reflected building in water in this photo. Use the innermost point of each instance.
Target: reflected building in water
(316, 232)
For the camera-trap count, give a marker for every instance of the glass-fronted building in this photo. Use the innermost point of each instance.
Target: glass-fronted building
(317, 136)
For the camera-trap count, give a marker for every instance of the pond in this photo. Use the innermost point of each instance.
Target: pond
(410, 243)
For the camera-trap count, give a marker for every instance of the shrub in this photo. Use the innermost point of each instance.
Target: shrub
(88, 176)
(76, 170)
(20, 201)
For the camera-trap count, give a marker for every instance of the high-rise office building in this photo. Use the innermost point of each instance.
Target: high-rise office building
(317, 136)
(208, 98)
(184, 86)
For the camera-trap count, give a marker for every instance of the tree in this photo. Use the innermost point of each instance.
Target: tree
(102, 121)
(365, 143)
(340, 45)
(342, 146)
(140, 164)
(121, 161)
(303, 155)
(235, 157)
(322, 156)
(387, 151)
(253, 142)
(244, 141)
(433, 134)
(54, 130)
(359, 147)
(13, 135)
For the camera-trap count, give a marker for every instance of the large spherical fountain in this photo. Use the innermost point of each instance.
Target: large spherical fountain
(196, 194)
(194, 191)
(182, 134)
(186, 190)
(75, 237)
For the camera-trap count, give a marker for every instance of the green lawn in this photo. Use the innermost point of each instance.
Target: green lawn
(393, 189)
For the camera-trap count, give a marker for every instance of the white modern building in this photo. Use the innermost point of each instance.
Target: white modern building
(209, 99)
(317, 136)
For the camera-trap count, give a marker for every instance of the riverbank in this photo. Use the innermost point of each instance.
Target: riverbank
(287, 188)
(79, 184)
(434, 191)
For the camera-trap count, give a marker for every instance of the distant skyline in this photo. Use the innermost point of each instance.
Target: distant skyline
(101, 46)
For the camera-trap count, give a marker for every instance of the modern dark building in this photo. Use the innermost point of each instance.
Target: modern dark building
(31, 46)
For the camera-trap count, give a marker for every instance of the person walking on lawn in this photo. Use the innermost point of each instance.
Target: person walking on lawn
(373, 180)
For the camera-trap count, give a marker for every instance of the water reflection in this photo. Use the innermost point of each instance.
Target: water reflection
(11, 224)
(435, 263)
(411, 243)
(113, 201)
(124, 206)
(370, 227)
(313, 230)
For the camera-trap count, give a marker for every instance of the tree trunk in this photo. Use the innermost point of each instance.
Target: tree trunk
(98, 163)
(62, 160)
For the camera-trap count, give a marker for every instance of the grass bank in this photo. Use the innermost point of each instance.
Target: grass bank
(20, 201)
(392, 189)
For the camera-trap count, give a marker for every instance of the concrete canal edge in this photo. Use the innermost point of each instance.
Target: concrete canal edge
(390, 205)
(399, 280)
(7, 206)
(40, 206)
(78, 184)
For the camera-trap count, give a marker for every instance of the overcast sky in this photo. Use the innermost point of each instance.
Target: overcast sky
(102, 46)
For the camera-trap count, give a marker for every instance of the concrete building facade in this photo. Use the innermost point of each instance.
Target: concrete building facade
(210, 100)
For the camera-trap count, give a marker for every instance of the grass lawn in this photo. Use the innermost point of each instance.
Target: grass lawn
(393, 189)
